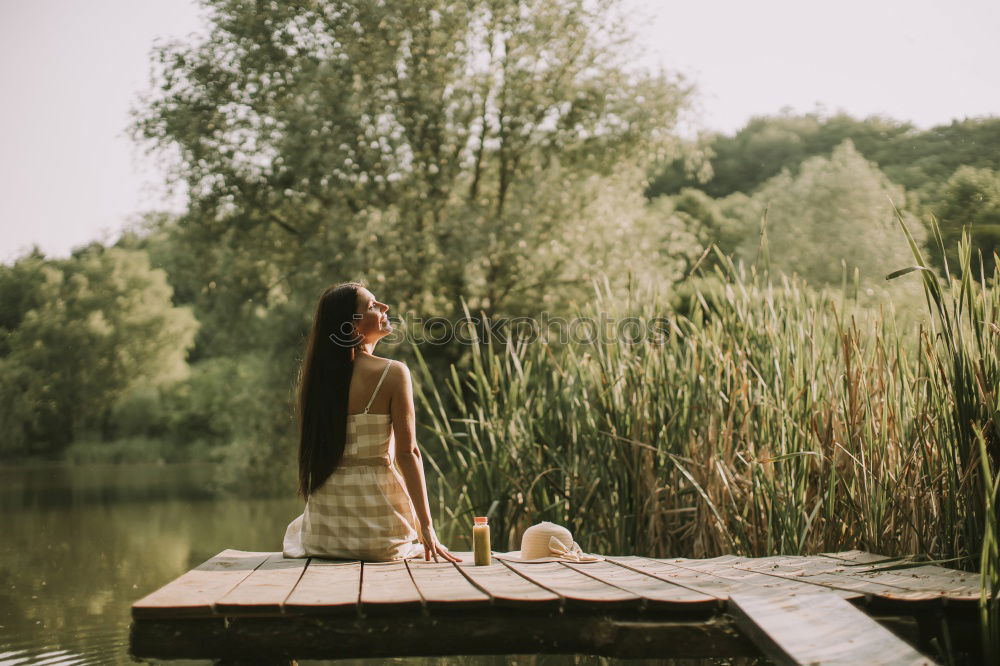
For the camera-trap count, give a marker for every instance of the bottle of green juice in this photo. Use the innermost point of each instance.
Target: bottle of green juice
(481, 541)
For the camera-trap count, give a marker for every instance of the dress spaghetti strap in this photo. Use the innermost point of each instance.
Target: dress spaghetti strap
(377, 386)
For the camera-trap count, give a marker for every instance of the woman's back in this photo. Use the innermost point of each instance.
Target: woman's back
(369, 385)
(362, 511)
(369, 431)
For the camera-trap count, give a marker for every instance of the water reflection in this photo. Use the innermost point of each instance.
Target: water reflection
(80, 544)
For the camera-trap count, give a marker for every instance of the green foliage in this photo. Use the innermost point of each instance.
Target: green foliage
(226, 407)
(705, 221)
(834, 217)
(19, 285)
(926, 163)
(920, 161)
(156, 234)
(971, 197)
(204, 407)
(127, 450)
(88, 337)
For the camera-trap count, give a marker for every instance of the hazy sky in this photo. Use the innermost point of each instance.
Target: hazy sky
(72, 68)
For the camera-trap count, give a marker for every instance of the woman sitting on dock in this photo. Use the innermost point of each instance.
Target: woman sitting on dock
(358, 505)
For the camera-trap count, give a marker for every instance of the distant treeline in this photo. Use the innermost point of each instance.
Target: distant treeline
(951, 171)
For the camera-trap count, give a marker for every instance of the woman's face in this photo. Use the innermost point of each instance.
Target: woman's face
(371, 320)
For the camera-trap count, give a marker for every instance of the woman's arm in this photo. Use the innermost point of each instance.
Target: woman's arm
(409, 460)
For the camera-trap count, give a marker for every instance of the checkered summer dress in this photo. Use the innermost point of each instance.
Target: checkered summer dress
(362, 511)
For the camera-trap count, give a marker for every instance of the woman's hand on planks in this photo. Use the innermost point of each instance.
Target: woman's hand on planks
(433, 547)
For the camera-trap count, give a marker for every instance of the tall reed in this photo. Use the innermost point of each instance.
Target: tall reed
(769, 418)
(965, 362)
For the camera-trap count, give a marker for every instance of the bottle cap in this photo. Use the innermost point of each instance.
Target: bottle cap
(480, 520)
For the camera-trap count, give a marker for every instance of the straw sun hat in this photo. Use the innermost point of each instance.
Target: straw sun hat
(548, 542)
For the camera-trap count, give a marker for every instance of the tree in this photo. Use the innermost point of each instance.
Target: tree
(971, 197)
(421, 143)
(837, 209)
(20, 292)
(709, 221)
(90, 329)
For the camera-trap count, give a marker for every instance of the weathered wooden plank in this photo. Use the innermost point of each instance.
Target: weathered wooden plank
(776, 585)
(442, 585)
(194, 593)
(949, 580)
(691, 579)
(387, 587)
(655, 592)
(265, 589)
(326, 588)
(736, 568)
(724, 564)
(506, 588)
(709, 562)
(576, 589)
(860, 557)
(873, 588)
(795, 565)
(829, 573)
(724, 573)
(818, 628)
(913, 583)
(927, 581)
(861, 586)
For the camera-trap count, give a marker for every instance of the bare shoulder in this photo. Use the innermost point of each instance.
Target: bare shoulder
(398, 375)
(400, 390)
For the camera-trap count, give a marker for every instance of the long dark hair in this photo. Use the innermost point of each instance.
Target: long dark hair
(324, 385)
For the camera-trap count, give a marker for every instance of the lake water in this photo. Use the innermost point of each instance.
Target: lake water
(80, 544)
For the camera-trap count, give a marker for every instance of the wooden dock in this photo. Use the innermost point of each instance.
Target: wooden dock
(850, 607)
